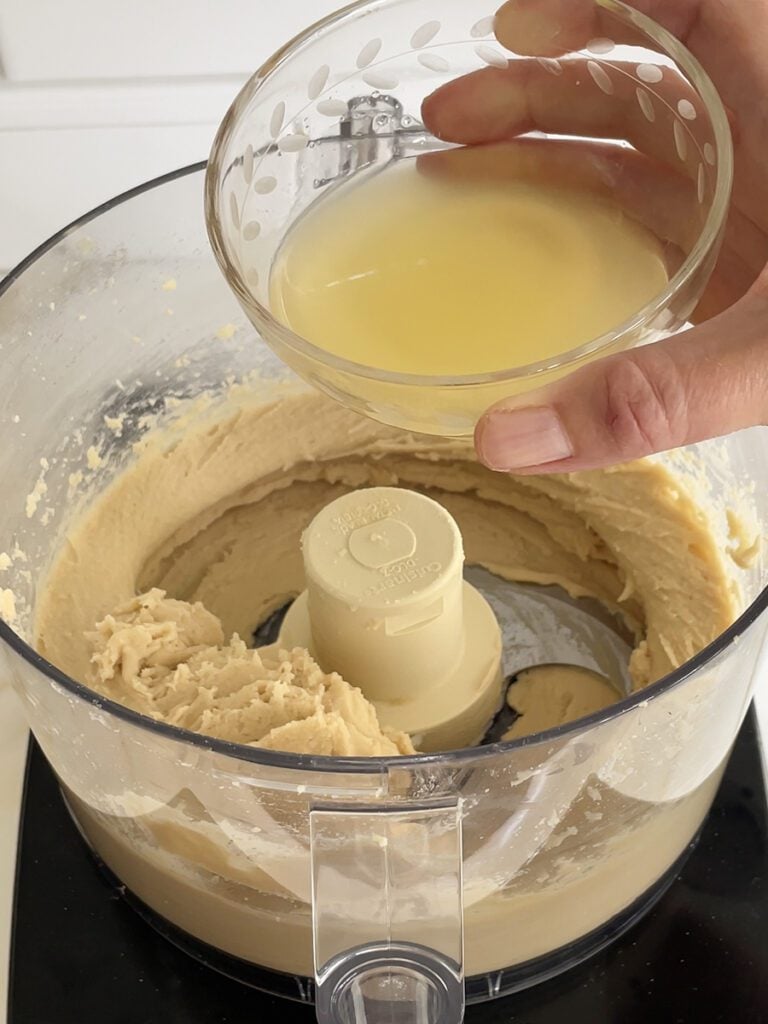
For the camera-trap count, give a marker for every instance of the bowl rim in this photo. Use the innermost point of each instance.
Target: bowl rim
(710, 231)
(326, 764)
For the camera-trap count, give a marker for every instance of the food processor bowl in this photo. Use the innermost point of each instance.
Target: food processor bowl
(616, 106)
(358, 882)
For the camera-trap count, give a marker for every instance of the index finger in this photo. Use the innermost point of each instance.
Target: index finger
(550, 28)
(580, 98)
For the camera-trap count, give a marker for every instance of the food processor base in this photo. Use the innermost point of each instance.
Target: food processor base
(80, 953)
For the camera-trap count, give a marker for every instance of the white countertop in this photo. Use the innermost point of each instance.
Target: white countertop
(13, 754)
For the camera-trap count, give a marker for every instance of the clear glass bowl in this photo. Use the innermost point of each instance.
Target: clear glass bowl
(344, 98)
(252, 851)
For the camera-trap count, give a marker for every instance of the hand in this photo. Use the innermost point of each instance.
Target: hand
(704, 382)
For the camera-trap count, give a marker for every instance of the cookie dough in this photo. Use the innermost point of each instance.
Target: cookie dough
(169, 658)
(212, 511)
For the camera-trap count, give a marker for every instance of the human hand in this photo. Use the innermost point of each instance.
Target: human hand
(704, 382)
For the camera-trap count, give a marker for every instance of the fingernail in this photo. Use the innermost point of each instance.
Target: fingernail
(520, 438)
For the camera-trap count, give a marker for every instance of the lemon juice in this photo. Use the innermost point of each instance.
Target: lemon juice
(443, 268)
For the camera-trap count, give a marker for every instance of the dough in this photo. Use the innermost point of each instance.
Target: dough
(212, 511)
(170, 657)
(551, 695)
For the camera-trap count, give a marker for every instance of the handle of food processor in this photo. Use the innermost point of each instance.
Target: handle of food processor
(387, 913)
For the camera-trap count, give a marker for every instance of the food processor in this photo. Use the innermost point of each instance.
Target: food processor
(392, 888)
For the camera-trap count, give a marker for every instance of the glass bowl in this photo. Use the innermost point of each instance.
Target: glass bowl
(344, 100)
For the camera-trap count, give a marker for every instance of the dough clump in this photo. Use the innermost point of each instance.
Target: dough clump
(170, 660)
(549, 696)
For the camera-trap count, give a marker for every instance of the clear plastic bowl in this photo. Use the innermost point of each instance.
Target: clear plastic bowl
(343, 99)
(397, 865)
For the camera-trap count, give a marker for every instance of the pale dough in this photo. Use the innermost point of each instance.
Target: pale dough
(551, 695)
(171, 658)
(213, 512)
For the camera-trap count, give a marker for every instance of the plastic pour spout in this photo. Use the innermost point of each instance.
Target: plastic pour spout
(387, 608)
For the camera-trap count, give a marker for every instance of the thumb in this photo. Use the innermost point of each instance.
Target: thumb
(705, 382)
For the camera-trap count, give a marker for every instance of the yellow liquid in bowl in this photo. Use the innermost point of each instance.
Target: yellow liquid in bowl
(445, 269)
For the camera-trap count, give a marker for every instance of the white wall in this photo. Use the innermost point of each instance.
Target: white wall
(97, 96)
